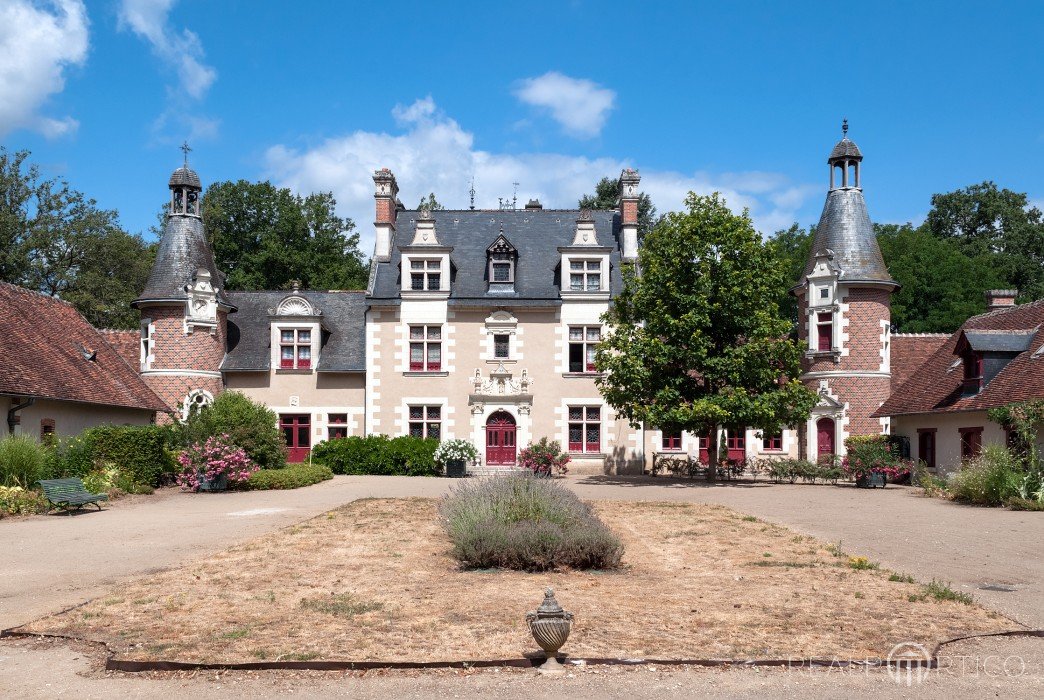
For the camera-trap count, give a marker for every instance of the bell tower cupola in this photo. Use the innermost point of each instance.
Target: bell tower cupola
(844, 162)
(185, 188)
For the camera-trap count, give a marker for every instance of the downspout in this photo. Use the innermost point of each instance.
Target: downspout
(12, 420)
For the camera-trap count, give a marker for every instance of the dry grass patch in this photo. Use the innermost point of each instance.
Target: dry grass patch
(374, 580)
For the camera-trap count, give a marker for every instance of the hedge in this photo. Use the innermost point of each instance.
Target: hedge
(291, 477)
(378, 454)
(140, 452)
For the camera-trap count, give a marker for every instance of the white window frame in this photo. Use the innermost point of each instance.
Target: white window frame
(147, 344)
(277, 337)
(425, 420)
(426, 342)
(585, 344)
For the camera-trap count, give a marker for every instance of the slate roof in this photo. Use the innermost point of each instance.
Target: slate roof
(845, 148)
(185, 176)
(909, 351)
(43, 341)
(343, 321)
(935, 386)
(536, 235)
(845, 228)
(183, 249)
(999, 341)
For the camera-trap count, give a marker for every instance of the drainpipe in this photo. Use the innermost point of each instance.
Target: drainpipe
(12, 420)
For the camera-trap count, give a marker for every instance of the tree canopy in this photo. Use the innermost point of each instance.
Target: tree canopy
(607, 196)
(430, 203)
(696, 338)
(265, 237)
(55, 240)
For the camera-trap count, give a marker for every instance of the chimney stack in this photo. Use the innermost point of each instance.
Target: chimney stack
(386, 193)
(997, 299)
(629, 180)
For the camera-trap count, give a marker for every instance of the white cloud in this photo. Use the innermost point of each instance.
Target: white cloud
(181, 51)
(433, 153)
(36, 46)
(580, 106)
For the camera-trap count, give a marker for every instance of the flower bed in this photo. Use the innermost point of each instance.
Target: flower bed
(214, 461)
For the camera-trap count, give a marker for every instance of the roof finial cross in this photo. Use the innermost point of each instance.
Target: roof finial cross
(185, 149)
(844, 128)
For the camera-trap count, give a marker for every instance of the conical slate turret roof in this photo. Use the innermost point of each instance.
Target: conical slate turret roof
(845, 148)
(182, 250)
(845, 229)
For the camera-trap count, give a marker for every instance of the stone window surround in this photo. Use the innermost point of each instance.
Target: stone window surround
(599, 255)
(277, 328)
(147, 345)
(406, 273)
(501, 323)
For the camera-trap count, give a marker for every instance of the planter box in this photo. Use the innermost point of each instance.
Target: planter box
(456, 469)
(875, 480)
(218, 484)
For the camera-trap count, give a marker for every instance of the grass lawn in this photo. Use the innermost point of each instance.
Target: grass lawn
(373, 580)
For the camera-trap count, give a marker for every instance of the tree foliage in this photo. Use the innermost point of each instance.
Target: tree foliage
(430, 203)
(697, 339)
(607, 196)
(56, 240)
(791, 247)
(265, 237)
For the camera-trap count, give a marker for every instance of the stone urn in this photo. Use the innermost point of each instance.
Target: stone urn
(550, 625)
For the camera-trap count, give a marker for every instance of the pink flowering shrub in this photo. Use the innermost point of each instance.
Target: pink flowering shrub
(209, 459)
(544, 457)
(869, 454)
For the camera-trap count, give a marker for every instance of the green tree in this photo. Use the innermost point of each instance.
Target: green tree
(791, 246)
(264, 237)
(607, 196)
(56, 240)
(986, 220)
(941, 286)
(430, 203)
(697, 339)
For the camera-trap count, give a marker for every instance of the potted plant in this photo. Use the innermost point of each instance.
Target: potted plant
(213, 464)
(454, 456)
(871, 461)
(544, 457)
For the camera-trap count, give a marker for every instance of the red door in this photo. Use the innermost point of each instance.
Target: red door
(825, 437)
(500, 438)
(704, 455)
(297, 433)
(737, 445)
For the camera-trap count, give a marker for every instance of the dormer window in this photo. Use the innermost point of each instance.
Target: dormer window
(585, 275)
(972, 372)
(295, 349)
(501, 268)
(501, 271)
(425, 275)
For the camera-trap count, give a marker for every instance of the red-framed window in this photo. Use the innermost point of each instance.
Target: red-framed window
(671, 440)
(737, 439)
(425, 348)
(824, 332)
(501, 346)
(926, 446)
(971, 442)
(295, 348)
(426, 421)
(583, 343)
(972, 371)
(585, 275)
(425, 275)
(772, 442)
(336, 426)
(585, 429)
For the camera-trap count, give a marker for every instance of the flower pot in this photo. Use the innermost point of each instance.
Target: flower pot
(456, 469)
(873, 480)
(218, 483)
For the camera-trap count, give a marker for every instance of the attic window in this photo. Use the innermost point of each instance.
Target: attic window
(972, 372)
(501, 257)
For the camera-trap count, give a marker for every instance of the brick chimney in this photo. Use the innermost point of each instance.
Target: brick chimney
(997, 299)
(386, 195)
(629, 180)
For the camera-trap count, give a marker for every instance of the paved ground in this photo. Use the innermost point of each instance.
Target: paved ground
(53, 562)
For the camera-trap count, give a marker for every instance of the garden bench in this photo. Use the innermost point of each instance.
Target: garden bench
(69, 493)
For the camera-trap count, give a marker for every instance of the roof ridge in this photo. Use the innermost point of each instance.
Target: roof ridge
(1006, 309)
(44, 295)
(921, 335)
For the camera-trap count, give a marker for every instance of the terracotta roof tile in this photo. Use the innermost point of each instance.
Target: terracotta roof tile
(910, 351)
(935, 386)
(126, 343)
(43, 343)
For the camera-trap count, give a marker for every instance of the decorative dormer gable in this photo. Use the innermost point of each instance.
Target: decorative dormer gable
(822, 280)
(201, 302)
(501, 259)
(585, 230)
(424, 234)
(296, 332)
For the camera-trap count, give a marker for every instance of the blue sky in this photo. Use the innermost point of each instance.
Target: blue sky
(743, 98)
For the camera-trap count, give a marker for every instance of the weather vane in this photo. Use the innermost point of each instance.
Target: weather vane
(185, 149)
(844, 128)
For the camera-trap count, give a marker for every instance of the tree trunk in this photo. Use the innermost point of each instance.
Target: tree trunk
(712, 454)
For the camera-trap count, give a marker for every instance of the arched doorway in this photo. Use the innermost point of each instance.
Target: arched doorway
(500, 438)
(825, 438)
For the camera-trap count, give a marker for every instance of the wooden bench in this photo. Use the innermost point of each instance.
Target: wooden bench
(70, 493)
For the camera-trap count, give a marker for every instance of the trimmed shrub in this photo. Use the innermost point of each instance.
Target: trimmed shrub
(248, 424)
(23, 461)
(14, 500)
(990, 479)
(544, 457)
(377, 454)
(291, 477)
(528, 524)
(139, 452)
